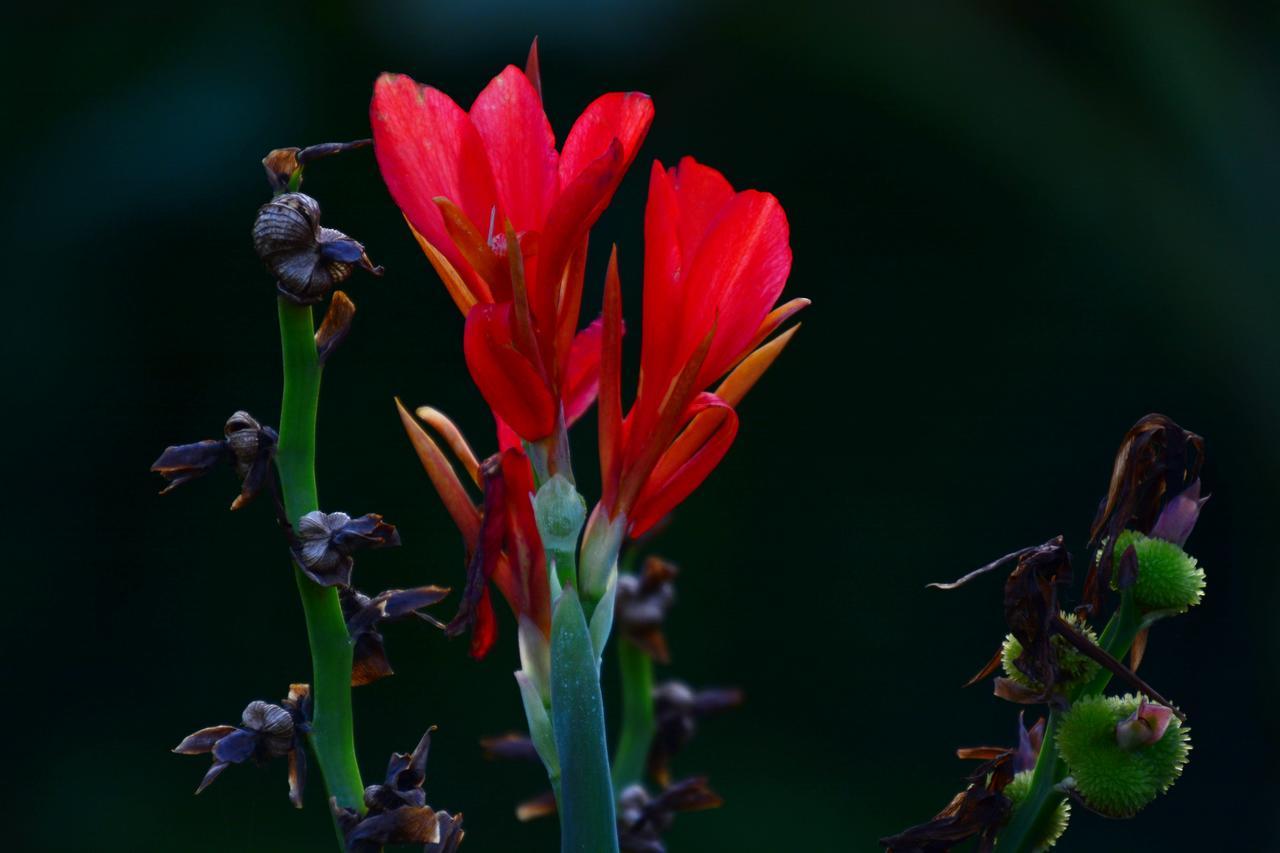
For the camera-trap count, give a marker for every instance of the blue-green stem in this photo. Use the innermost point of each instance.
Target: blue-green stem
(1031, 820)
(636, 670)
(587, 815)
(332, 733)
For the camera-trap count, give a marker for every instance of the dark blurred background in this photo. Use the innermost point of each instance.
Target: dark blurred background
(1023, 226)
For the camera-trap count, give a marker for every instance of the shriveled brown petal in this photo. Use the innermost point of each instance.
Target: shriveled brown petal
(451, 833)
(405, 825)
(198, 743)
(1157, 461)
(297, 776)
(335, 326)
(543, 805)
(184, 462)
(511, 746)
(642, 603)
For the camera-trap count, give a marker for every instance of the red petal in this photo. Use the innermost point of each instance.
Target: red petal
(736, 277)
(427, 147)
(663, 296)
(509, 383)
(610, 423)
(680, 471)
(484, 628)
(582, 377)
(702, 192)
(624, 116)
(521, 147)
(523, 544)
(572, 215)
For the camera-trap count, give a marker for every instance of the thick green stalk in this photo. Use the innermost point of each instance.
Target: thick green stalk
(332, 735)
(587, 817)
(1029, 821)
(1033, 816)
(636, 669)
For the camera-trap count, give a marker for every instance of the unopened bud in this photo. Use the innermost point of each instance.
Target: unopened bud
(1145, 726)
(560, 511)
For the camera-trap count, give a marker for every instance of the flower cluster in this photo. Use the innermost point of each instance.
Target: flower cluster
(1109, 754)
(504, 216)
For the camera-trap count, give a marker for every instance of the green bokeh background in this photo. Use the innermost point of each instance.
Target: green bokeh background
(1022, 227)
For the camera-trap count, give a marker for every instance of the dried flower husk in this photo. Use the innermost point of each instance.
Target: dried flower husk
(323, 543)
(978, 812)
(266, 731)
(308, 259)
(677, 709)
(246, 444)
(643, 819)
(398, 812)
(364, 614)
(642, 604)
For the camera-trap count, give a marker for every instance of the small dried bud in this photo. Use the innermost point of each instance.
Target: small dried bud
(676, 711)
(247, 445)
(266, 731)
(642, 820)
(642, 605)
(308, 259)
(324, 543)
(283, 164)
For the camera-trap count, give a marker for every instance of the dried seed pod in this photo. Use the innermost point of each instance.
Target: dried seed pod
(247, 445)
(308, 259)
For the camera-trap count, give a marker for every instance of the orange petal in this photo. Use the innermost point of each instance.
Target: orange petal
(458, 290)
(474, 248)
(776, 318)
(452, 436)
(444, 478)
(750, 369)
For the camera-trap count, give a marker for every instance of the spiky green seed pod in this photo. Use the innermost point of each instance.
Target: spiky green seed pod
(1168, 578)
(1075, 667)
(1017, 791)
(1112, 780)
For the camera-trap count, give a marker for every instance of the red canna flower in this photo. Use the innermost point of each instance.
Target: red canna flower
(501, 535)
(474, 184)
(715, 263)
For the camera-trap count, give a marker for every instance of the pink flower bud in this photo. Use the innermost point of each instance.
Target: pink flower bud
(1144, 726)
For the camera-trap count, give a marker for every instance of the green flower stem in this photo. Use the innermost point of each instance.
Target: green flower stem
(332, 735)
(587, 817)
(1031, 821)
(636, 669)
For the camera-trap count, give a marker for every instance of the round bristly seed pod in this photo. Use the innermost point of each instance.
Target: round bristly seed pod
(306, 258)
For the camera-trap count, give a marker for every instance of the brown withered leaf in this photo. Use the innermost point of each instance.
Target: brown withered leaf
(1030, 611)
(977, 813)
(1157, 460)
